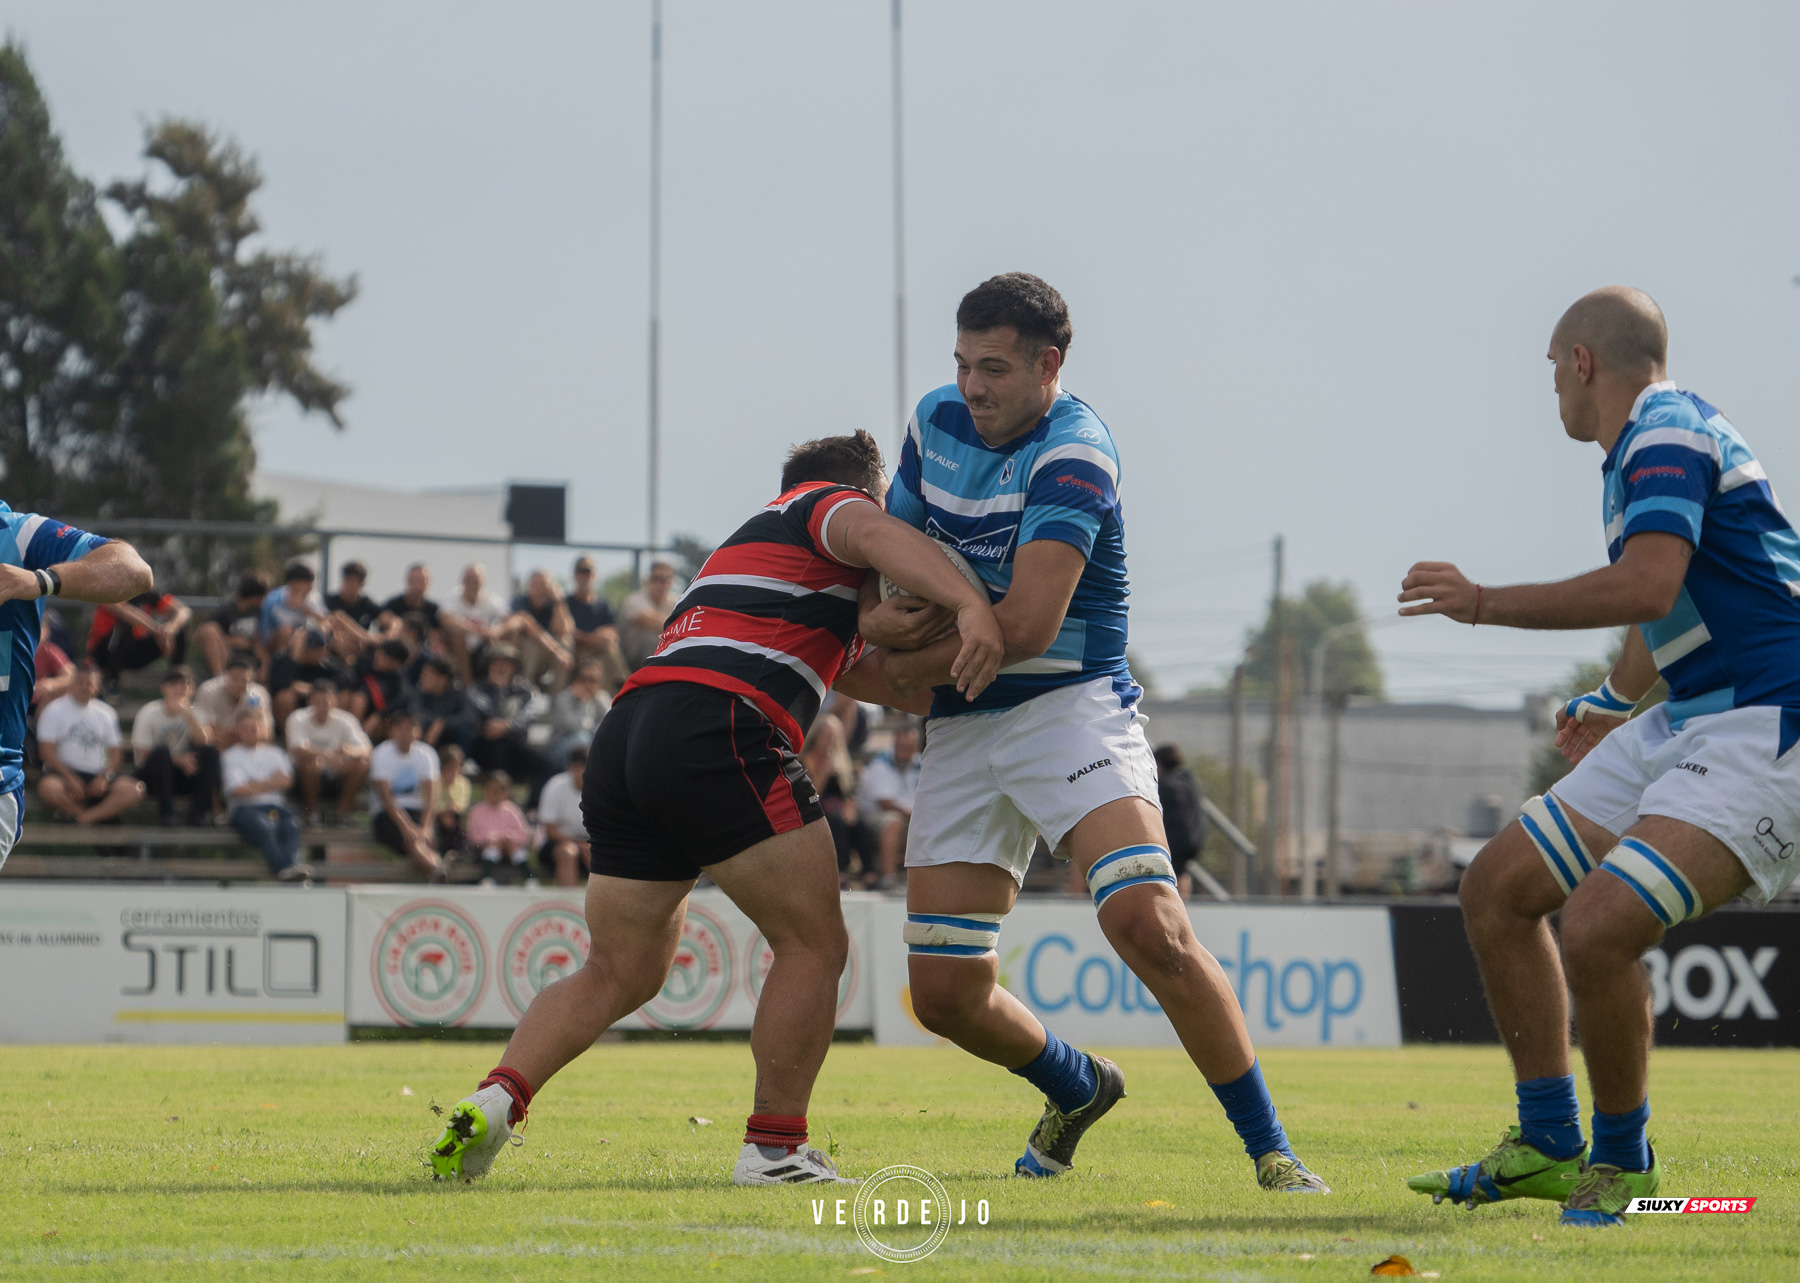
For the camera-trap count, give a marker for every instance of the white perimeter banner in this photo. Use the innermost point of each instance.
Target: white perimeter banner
(478, 955)
(1305, 977)
(170, 964)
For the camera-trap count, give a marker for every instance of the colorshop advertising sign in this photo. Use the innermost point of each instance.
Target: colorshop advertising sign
(169, 964)
(1305, 977)
(459, 956)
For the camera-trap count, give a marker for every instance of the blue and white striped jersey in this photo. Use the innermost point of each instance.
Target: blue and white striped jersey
(1733, 638)
(33, 542)
(1058, 481)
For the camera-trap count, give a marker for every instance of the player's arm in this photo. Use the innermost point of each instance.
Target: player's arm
(1587, 719)
(864, 682)
(1045, 573)
(902, 622)
(1639, 588)
(860, 534)
(106, 575)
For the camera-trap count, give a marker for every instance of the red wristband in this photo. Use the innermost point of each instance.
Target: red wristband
(1477, 618)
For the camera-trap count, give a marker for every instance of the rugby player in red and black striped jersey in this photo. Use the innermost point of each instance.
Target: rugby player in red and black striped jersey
(697, 767)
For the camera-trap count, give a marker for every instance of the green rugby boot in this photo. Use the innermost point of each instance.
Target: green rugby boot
(1281, 1173)
(1050, 1150)
(1511, 1169)
(474, 1134)
(1604, 1192)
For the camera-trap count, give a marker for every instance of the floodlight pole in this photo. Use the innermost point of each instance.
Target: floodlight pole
(901, 411)
(653, 525)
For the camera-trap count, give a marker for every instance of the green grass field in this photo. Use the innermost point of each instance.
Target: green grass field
(125, 1163)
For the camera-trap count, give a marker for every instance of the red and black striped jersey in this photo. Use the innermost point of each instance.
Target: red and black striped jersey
(772, 614)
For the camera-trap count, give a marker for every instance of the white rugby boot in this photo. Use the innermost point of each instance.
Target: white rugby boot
(805, 1166)
(474, 1134)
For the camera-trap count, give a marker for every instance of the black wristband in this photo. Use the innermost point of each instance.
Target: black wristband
(55, 582)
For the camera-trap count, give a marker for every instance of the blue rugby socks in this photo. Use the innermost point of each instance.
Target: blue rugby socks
(1619, 1139)
(1247, 1105)
(1062, 1073)
(1549, 1117)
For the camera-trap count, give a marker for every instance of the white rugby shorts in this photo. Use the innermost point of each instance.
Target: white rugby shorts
(1719, 772)
(992, 782)
(12, 813)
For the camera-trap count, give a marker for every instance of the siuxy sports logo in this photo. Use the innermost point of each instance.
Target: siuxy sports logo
(1639, 1206)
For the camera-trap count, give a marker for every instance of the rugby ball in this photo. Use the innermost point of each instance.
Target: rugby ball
(891, 589)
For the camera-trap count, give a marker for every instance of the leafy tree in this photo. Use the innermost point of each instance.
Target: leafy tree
(1350, 665)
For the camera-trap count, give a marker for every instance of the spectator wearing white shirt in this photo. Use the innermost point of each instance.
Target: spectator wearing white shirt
(471, 619)
(224, 699)
(890, 784)
(170, 748)
(257, 778)
(79, 742)
(564, 850)
(330, 751)
(403, 772)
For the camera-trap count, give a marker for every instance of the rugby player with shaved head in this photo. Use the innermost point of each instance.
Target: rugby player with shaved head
(1665, 816)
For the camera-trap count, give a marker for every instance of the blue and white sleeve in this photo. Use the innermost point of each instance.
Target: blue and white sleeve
(1073, 487)
(46, 542)
(1665, 480)
(905, 496)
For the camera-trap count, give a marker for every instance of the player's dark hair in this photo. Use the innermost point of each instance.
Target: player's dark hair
(1027, 303)
(854, 460)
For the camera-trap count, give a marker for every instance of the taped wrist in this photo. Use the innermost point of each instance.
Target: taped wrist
(1128, 867)
(1605, 702)
(1658, 883)
(1547, 825)
(952, 935)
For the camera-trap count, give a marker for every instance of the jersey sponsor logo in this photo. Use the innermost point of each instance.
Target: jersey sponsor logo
(1637, 1206)
(1068, 480)
(1695, 767)
(1769, 842)
(430, 964)
(992, 546)
(1732, 986)
(1006, 471)
(1091, 434)
(545, 944)
(1090, 767)
(1659, 470)
(1662, 414)
(63, 532)
(935, 457)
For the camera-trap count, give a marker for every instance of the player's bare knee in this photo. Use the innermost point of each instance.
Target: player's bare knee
(945, 999)
(1146, 929)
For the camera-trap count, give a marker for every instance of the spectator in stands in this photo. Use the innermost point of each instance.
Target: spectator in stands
(236, 627)
(169, 743)
(403, 771)
(296, 606)
(79, 742)
(411, 602)
(135, 634)
(575, 713)
(890, 784)
(330, 751)
(833, 774)
(564, 851)
(543, 634)
(453, 797)
(352, 611)
(380, 690)
(222, 700)
(644, 612)
(257, 778)
(423, 643)
(442, 708)
(596, 631)
(54, 670)
(502, 700)
(497, 829)
(292, 673)
(472, 619)
(1184, 822)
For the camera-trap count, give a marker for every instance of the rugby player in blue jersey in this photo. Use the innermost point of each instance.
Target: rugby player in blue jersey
(41, 557)
(1022, 479)
(1665, 816)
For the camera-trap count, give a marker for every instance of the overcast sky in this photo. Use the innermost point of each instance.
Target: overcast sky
(1313, 253)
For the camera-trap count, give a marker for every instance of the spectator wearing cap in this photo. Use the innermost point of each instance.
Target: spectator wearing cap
(296, 606)
(380, 690)
(352, 611)
(564, 851)
(497, 829)
(79, 742)
(257, 778)
(542, 632)
(472, 619)
(329, 749)
(236, 627)
(233, 694)
(411, 602)
(306, 660)
(575, 713)
(403, 774)
(169, 744)
(442, 708)
(596, 630)
(644, 612)
(502, 700)
(134, 634)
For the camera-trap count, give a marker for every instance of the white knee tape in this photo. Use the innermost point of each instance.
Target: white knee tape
(1547, 825)
(1127, 867)
(1659, 884)
(952, 935)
